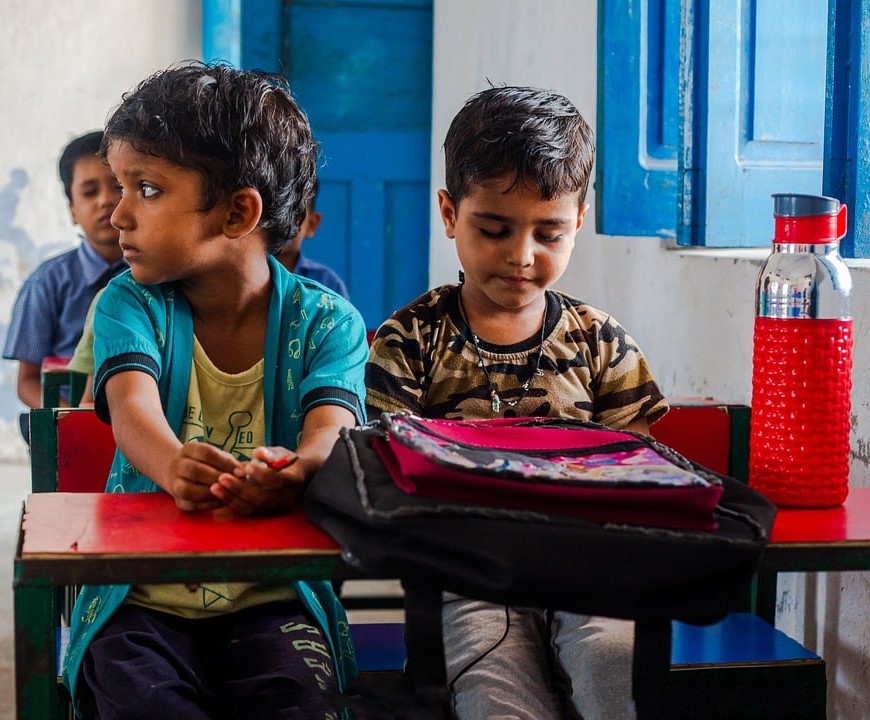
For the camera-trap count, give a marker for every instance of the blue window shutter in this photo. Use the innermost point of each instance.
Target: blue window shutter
(847, 121)
(753, 121)
(637, 123)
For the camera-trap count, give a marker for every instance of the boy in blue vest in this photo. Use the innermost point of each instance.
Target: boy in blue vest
(50, 308)
(212, 362)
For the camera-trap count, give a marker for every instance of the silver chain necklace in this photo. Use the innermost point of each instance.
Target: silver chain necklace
(496, 400)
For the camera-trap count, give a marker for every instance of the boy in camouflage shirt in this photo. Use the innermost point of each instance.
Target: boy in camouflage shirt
(503, 343)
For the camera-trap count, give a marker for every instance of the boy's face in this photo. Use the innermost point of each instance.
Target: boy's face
(512, 244)
(164, 233)
(95, 194)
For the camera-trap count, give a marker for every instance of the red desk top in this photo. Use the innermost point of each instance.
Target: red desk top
(150, 523)
(847, 524)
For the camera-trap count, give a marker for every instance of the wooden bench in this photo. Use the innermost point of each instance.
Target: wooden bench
(55, 377)
(739, 668)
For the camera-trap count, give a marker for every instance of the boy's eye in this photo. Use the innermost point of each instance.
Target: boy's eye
(549, 238)
(147, 190)
(495, 234)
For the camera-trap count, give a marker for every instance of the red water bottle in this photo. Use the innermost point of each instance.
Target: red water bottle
(802, 358)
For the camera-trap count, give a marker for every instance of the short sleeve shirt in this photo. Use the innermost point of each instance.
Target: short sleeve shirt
(51, 306)
(423, 360)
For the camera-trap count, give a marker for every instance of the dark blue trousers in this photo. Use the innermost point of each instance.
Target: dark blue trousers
(269, 661)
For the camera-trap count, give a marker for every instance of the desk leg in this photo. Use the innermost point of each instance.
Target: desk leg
(36, 618)
(651, 668)
(765, 596)
(424, 644)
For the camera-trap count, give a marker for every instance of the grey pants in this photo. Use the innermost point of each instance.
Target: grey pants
(500, 661)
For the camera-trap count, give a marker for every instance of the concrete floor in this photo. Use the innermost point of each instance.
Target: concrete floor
(14, 486)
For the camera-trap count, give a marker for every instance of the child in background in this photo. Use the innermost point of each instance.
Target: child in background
(503, 343)
(293, 259)
(49, 311)
(212, 362)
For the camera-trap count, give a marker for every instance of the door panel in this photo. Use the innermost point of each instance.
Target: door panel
(363, 73)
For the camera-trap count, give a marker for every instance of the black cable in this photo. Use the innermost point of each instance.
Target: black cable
(507, 627)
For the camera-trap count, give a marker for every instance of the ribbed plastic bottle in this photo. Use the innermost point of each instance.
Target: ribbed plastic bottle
(802, 358)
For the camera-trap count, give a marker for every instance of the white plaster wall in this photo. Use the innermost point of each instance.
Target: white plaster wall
(691, 311)
(64, 65)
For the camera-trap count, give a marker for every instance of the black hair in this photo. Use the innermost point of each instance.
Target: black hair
(87, 144)
(536, 137)
(237, 128)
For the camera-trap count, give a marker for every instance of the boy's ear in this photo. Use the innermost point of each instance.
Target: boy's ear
(581, 215)
(244, 209)
(448, 212)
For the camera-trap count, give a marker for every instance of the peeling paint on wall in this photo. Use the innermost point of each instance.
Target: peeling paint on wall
(10, 195)
(861, 453)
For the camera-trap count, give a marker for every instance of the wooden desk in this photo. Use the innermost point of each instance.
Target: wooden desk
(815, 541)
(76, 538)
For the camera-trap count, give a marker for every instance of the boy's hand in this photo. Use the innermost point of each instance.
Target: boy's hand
(273, 481)
(194, 470)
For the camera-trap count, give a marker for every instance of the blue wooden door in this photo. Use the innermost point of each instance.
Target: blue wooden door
(362, 71)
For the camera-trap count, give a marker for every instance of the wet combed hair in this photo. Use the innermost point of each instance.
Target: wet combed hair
(534, 136)
(237, 128)
(87, 144)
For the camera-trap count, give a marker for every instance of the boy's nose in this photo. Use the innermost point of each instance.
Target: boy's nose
(522, 252)
(118, 216)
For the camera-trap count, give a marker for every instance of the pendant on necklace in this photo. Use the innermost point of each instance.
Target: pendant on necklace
(496, 401)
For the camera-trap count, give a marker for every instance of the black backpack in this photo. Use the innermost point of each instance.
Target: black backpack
(517, 557)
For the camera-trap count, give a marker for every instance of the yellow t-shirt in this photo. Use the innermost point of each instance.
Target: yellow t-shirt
(225, 410)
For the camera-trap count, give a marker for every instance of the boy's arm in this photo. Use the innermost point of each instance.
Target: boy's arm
(394, 380)
(638, 426)
(255, 487)
(30, 383)
(145, 438)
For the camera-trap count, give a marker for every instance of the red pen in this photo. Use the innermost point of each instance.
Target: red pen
(282, 462)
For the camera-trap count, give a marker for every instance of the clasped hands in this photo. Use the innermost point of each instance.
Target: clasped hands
(203, 477)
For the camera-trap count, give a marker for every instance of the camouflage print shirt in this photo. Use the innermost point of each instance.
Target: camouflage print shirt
(423, 359)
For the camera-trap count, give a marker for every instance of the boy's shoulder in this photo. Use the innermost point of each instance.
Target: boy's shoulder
(58, 263)
(582, 313)
(429, 307)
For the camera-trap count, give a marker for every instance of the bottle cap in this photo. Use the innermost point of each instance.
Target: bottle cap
(793, 205)
(808, 219)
